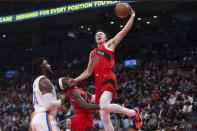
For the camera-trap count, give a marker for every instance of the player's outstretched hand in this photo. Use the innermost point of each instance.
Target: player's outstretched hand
(132, 12)
(71, 82)
(61, 97)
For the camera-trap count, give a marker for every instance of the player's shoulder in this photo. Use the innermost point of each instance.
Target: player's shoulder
(76, 89)
(74, 93)
(92, 52)
(45, 80)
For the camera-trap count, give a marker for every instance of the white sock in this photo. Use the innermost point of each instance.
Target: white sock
(105, 105)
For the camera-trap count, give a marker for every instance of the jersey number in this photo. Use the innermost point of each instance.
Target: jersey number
(35, 101)
(96, 61)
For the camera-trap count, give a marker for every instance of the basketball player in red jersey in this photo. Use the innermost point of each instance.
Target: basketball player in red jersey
(101, 60)
(83, 120)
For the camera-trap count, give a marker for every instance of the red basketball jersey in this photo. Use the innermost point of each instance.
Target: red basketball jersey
(77, 107)
(103, 61)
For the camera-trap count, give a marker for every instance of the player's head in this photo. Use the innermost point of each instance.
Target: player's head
(40, 66)
(100, 38)
(63, 83)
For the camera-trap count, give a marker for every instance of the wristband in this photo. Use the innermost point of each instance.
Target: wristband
(133, 15)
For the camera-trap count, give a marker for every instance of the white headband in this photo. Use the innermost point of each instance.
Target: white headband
(60, 83)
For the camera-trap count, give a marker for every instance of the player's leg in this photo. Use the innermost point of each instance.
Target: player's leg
(43, 122)
(39, 123)
(105, 118)
(51, 123)
(105, 104)
(54, 125)
(34, 122)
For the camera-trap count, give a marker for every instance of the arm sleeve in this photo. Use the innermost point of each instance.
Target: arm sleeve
(50, 101)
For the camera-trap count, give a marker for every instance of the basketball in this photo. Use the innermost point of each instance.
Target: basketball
(122, 10)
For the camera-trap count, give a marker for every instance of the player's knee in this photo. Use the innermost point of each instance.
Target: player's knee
(103, 106)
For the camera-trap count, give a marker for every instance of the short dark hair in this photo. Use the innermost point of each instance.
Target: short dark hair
(36, 66)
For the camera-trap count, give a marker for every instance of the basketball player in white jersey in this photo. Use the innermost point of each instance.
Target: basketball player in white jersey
(44, 98)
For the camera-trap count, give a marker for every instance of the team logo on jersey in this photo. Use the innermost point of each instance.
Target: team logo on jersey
(101, 53)
(96, 61)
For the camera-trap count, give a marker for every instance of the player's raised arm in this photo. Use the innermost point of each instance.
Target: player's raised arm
(87, 73)
(75, 95)
(112, 43)
(46, 88)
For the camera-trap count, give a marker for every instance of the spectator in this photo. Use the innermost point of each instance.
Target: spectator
(161, 111)
(152, 120)
(127, 123)
(172, 100)
(189, 127)
(183, 125)
(195, 126)
(180, 115)
(187, 107)
(161, 85)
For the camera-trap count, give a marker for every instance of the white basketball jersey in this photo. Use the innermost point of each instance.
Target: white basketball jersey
(38, 102)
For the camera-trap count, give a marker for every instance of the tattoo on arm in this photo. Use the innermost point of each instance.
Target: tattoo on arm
(76, 95)
(111, 43)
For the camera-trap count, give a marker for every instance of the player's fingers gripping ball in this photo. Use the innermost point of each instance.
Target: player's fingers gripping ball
(122, 10)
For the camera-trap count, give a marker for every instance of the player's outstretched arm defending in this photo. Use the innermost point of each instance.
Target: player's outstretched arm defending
(46, 88)
(75, 95)
(87, 73)
(112, 43)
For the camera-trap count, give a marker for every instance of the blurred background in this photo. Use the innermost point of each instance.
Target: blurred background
(156, 63)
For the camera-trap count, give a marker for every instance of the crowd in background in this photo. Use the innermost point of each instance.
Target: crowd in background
(162, 85)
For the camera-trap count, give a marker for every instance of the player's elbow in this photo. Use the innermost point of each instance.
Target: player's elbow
(86, 108)
(88, 73)
(124, 32)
